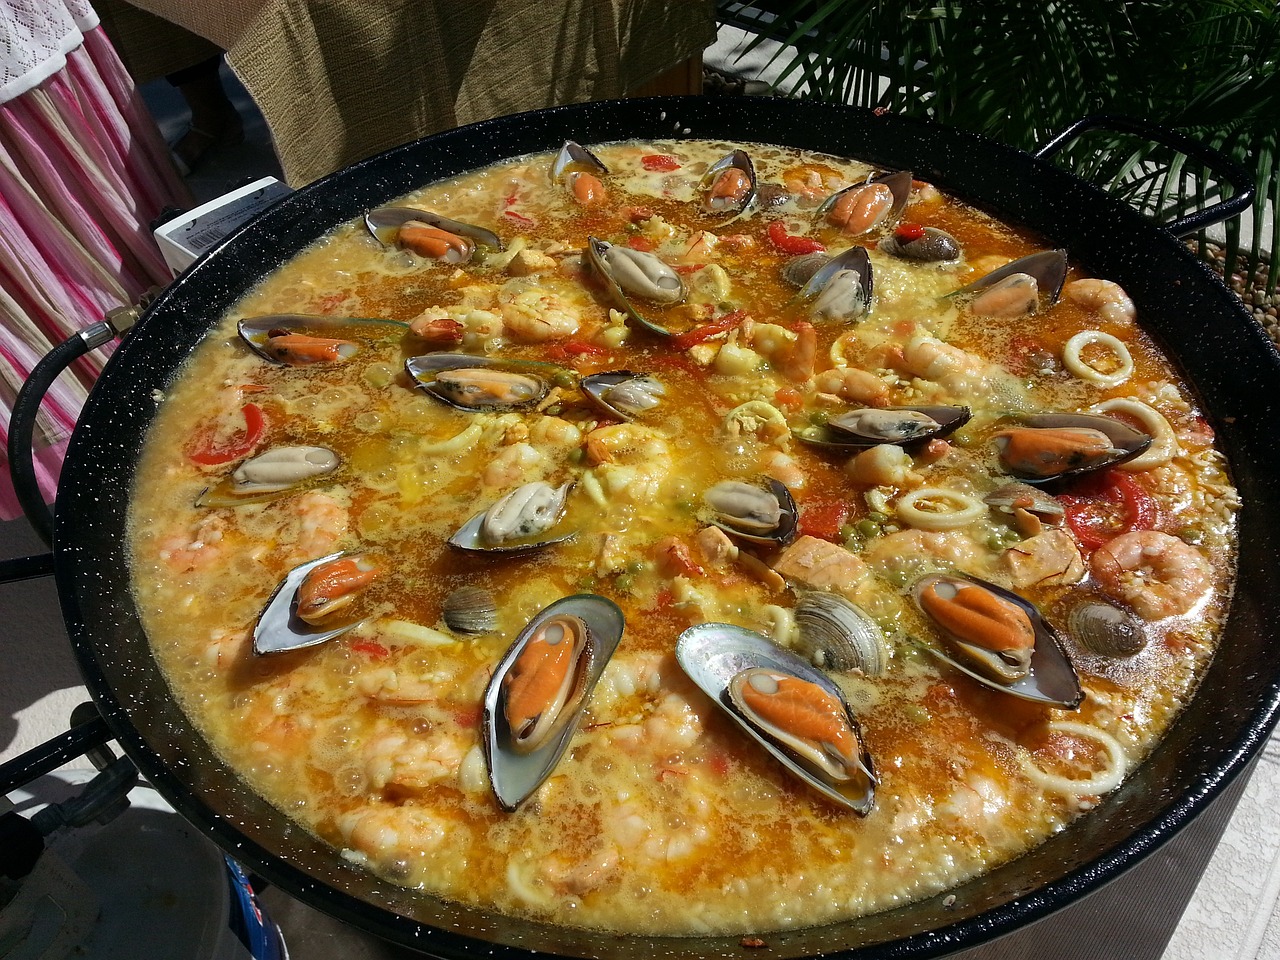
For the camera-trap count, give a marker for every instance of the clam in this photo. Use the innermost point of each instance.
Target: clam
(864, 206)
(1050, 446)
(623, 394)
(840, 290)
(475, 383)
(517, 522)
(428, 234)
(834, 634)
(791, 709)
(635, 275)
(730, 184)
(269, 474)
(761, 511)
(998, 638)
(580, 170)
(540, 688)
(280, 628)
(471, 609)
(294, 339)
(1018, 287)
(910, 241)
(1106, 629)
(872, 426)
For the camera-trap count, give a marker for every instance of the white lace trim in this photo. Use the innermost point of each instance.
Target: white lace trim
(35, 38)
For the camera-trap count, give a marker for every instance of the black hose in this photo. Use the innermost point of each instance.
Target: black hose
(22, 426)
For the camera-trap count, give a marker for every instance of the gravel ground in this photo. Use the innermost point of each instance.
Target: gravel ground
(1251, 289)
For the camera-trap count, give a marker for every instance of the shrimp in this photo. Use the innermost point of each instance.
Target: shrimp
(626, 443)
(956, 370)
(536, 316)
(883, 465)
(783, 468)
(1155, 573)
(385, 835)
(413, 763)
(850, 383)
(1103, 297)
(512, 465)
(797, 363)
(579, 876)
(322, 522)
(912, 551)
(186, 550)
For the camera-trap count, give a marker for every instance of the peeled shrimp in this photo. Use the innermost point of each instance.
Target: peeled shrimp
(322, 523)
(850, 383)
(1155, 573)
(191, 549)
(536, 316)
(1108, 300)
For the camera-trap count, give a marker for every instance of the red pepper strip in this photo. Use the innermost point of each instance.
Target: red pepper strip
(1108, 506)
(691, 338)
(568, 349)
(779, 237)
(205, 450)
(909, 231)
(517, 217)
(660, 161)
(373, 649)
(824, 519)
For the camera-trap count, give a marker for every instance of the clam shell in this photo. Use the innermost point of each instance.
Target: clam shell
(279, 628)
(1106, 629)
(1050, 677)
(253, 330)
(1126, 443)
(517, 522)
(935, 246)
(834, 634)
(385, 222)
(712, 654)
(623, 394)
(761, 511)
(515, 774)
(470, 609)
(841, 289)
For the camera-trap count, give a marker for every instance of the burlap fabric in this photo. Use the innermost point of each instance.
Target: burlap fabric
(340, 80)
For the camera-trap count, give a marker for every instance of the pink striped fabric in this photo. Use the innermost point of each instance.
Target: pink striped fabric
(83, 170)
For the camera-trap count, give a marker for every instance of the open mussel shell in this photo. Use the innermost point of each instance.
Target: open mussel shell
(840, 290)
(1050, 446)
(730, 184)
(631, 275)
(518, 522)
(718, 656)
(572, 158)
(268, 475)
(1036, 669)
(623, 394)
(1008, 290)
(385, 223)
(759, 511)
(920, 244)
(863, 207)
(521, 759)
(837, 635)
(255, 331)
(475, 383)
(872, 426)
(279, 628)
(798, 271)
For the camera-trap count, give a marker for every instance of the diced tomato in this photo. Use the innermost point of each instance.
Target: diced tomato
(566, 349)
(785, 242)
(636, 213)
(664, 599)
(371, 648)
(907, 232)
(824, 519)
(719, 763)
(205, 449)
(691, 338)
(789, 398)
(1104, 506)
(467, 717)
(641, 243)
(660, 161)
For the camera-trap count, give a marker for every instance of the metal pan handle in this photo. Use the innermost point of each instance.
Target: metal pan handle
(1226, 168)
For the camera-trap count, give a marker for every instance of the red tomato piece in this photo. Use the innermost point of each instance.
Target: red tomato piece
(372, 648)
(643, 244)
(789, 397)
(691, 338)
(785, 242)
(909, 231)
(660, 161)
(1107, 505)
(205, 449)
(824, 519)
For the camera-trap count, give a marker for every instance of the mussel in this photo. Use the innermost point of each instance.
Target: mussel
(864, 206)
(475, 383)
(1049, 446)
(518, 521)
(834, 634)
(623, 394)
(295, 340)
(872, 426)
(281, 627)
(791, 709)
(1018, 287)
(428, 234)
(631, 275)
(269, 474)
(1029, 507)
(798, 271)
(730, 184)
(761, 511)
(998, 638)
(580, 171)
(911, 241)
(540, 688)
(840, 290)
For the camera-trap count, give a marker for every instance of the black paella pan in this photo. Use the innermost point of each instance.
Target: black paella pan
(1222, 352)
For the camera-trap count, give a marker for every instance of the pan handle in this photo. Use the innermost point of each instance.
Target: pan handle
(22, 422)
(1226, 168)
